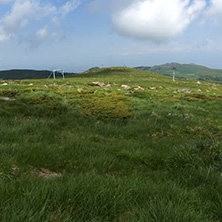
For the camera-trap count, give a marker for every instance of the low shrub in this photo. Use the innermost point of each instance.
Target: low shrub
(9, 92)
(54, 87)
(194, 97)
(29, 90)
(105, 106)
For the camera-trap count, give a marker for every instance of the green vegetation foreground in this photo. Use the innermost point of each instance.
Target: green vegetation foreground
(112, 144)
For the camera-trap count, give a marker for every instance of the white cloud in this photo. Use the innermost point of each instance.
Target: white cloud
(17, 18)
(69, 6)
(4, 36)
(24, 12)
(155, 20)
(215, 9)
(45, 34)
(42, 33)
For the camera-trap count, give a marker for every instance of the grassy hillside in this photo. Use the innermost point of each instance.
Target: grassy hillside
(189, 71)
(25, 74)
(112, 144)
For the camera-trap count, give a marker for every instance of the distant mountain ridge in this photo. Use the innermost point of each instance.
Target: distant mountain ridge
(189, 71)
(26, 74)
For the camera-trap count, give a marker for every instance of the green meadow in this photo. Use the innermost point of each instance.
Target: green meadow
(110, 145)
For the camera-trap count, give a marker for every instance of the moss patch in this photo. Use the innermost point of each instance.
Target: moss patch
(193, 97)
(105, 106)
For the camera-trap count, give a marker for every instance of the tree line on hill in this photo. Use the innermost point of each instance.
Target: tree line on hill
(27, 74)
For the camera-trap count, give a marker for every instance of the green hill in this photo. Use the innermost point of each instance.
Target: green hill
(189, 71)
(110, 145)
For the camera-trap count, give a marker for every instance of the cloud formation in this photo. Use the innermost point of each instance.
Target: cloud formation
(45, 34)
(215, 10)
(4, 36)
(69, 6)
(24, 12)
(156, 20)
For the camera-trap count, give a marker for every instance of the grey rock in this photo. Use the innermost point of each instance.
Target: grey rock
(184, 90)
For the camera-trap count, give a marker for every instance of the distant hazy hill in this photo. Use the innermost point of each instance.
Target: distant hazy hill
(190, 71)
(25, 74)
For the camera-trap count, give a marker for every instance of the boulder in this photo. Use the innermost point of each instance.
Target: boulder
(6, 99)
(125, 86)
(100, 84)
(139, 88)
(184, 90)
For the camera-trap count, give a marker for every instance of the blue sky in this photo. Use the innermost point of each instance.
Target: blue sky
(78, 34)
